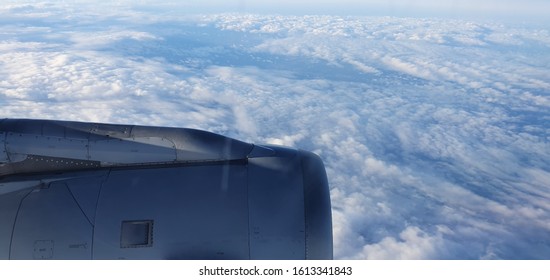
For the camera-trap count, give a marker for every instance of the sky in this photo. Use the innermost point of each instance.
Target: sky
(516, 10)
(434, 130)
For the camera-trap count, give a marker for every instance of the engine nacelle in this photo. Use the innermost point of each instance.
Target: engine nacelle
(73, 190)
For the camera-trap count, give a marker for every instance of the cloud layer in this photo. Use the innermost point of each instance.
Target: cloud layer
(434, 133)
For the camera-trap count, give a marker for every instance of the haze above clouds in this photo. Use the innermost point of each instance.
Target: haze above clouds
(529, 10)
(435, 132)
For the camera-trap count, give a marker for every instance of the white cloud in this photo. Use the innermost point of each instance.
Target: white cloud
(433, 132)
(412, 243)
(92, 40)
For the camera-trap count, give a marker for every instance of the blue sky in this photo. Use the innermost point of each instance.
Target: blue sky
(517, 10)
(530, 10)
(434, 131)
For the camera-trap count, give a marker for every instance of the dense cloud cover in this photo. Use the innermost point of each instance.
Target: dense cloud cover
(435, 133)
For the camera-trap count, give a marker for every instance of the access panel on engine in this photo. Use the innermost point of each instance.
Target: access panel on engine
(185, 212)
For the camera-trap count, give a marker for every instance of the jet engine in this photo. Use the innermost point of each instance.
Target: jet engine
(75, 190)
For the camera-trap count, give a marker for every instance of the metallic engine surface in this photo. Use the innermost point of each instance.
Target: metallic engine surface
(74, 190)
